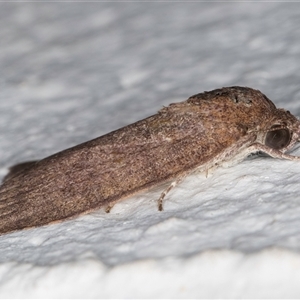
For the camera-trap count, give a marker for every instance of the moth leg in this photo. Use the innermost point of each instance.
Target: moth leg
(109, 207)
(167, 190)
(272, 152)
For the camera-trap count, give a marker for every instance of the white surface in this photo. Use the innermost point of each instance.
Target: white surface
(74, 71)
(212, 274)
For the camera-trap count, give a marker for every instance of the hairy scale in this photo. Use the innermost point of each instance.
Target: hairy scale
(209, 129)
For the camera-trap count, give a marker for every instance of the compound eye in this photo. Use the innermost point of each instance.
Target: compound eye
(278, 139)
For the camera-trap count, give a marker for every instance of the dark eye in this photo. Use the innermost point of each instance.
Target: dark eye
(278, 139)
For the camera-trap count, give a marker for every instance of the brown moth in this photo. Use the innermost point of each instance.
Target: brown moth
(213, 128)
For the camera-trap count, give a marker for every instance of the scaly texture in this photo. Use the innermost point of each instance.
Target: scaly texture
(208, 129)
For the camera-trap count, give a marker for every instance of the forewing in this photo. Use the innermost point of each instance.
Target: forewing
(104, 170)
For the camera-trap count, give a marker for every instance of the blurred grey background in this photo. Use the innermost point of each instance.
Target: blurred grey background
(74, 71)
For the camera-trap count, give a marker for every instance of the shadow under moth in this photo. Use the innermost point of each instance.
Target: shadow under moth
(220, 127)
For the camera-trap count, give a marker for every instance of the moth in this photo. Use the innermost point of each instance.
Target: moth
(220, 127)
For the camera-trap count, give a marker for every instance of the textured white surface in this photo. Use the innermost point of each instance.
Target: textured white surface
(74, 71)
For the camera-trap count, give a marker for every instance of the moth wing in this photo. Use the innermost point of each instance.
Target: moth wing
(99, 172)
(18, 168)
